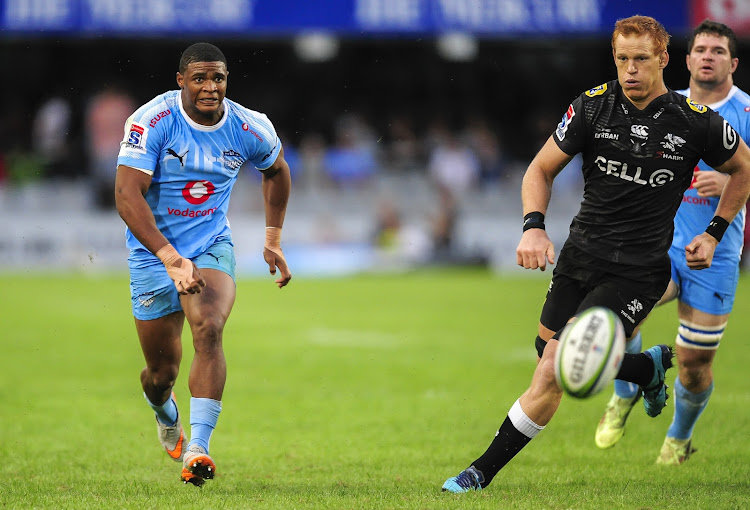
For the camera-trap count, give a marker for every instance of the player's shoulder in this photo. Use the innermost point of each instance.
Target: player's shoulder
(599, 92)
(160, 107)
(246, 114)
(692, 109)
(739, 99)
(252, 121)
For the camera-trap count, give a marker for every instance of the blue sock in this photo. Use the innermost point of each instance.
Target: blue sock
(165, 413)
(204, 413)
(688, 407)
(624, 389)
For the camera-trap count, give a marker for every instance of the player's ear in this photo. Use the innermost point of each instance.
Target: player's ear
(180, 79)
(663, 59)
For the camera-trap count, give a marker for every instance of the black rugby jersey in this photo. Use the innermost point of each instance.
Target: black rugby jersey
(636, 166)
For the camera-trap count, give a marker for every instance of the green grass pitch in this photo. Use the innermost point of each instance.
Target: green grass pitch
(362, 392)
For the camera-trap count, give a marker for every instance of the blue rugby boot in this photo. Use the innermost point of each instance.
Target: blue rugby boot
(655, 394)
(470, 479)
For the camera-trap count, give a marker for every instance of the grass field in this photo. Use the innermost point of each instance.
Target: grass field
(358, 393)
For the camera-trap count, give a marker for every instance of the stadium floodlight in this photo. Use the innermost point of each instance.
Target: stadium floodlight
(458, 46)
(316, 46)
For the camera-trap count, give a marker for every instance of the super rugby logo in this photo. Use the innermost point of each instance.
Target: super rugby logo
(197, 192)
(562, 127)
(135, 137)
(729, 136)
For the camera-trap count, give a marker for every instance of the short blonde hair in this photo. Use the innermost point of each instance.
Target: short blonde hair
(642, 25)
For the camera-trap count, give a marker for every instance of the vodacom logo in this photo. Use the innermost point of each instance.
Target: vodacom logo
(197, 192)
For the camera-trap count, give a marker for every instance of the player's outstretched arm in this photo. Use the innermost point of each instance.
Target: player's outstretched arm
(535, 248)
(699, 253)
(130, 187)
(277, 184)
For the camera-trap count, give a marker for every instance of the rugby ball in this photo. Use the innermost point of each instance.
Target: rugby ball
(590, 352)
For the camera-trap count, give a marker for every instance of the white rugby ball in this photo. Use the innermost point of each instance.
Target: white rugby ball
(590, 352)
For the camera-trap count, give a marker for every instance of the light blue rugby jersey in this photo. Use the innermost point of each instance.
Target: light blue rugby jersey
(194, 168)
(695, 213)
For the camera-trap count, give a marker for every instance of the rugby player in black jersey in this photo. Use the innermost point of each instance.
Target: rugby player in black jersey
(640, 142)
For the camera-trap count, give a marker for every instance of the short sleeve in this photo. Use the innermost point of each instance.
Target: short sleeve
(267, 146)
(570, 134)
(722, 141)
(139, 147)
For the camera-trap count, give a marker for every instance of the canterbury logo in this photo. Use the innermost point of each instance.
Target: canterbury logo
(639, 131)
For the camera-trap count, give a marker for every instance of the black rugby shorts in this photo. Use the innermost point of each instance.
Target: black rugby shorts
(581, 281)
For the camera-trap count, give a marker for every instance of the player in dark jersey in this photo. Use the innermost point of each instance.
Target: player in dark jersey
(617, 252)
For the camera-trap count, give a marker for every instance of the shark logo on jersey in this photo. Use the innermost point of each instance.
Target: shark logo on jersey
(671, 142)
(597, 91)
(135, 137)
(171, 152)
(232, 159)
(562, 127)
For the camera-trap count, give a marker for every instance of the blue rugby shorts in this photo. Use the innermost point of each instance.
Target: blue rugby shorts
(153, 293)
(709, 290)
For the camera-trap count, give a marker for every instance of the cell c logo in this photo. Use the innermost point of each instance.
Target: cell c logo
(197, 192)
(730, 136)
(660, 177)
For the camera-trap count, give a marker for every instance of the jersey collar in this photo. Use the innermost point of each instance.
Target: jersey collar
(201, 127)
(721, 103)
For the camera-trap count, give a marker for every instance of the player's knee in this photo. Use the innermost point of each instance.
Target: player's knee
(162, 378)
(545, 376)
(207, 332)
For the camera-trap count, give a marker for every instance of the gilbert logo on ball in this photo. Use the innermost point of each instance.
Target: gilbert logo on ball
(590, 352)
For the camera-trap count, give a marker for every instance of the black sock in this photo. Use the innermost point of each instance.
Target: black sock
(507, 443)
(637, 369)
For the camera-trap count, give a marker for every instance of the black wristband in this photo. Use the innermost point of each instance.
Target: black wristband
(717, 227)
(533, 220)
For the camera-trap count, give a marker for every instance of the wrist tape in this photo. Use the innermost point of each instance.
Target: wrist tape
(717, 227)
(533, 220)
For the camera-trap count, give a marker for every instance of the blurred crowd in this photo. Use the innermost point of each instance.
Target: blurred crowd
(457, 158)
(459, 129)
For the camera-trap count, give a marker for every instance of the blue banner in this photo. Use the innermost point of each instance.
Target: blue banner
(259, 18)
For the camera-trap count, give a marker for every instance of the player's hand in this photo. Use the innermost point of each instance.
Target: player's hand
(535, 249)
(274, 257)
(700, 252)
(709, 183)
(183, 272)
(186, 277)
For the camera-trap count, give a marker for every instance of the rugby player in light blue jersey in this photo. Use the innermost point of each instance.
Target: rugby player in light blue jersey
(705, 297)
(178, 161)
